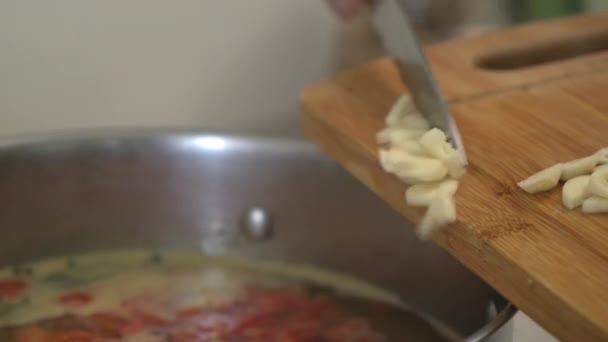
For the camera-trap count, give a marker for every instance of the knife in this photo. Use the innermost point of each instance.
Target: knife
(398, 37)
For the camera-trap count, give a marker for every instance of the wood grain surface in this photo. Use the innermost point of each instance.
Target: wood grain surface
(550, 262)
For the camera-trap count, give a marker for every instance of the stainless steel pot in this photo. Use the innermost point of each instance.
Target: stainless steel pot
(260, 198)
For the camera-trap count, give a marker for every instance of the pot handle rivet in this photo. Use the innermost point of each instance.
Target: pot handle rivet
(257, 223)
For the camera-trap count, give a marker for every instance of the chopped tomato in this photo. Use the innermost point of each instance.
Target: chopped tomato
(278, 315)
(76, 336)
(32, 334)
(316, 307)
(251, 321)
(11, 288)
(149, 319)
(114, 325)
(189, 312)
(75, 298)
(37, 334)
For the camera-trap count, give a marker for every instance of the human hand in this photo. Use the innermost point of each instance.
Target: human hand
(348, 9)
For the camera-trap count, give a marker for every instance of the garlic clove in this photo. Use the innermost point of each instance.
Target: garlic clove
(403, 106)
(396, 135)
(441, 212)
(598, 183)
(602, 155)
(575, 191)
(433, 142)
(543, 180)
(411, 147)
(579, 167)
(420, 195)
(595, 205)
(600, 167)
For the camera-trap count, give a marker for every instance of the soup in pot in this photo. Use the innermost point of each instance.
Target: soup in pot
(138, 295)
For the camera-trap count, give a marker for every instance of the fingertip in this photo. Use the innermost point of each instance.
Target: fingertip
(345, 9)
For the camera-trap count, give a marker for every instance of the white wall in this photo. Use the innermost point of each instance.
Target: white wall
(211, 63)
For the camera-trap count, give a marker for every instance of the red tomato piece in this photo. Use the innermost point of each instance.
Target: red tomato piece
(75, 298)
(32, 333)
(76, 336)
(11, 288)
(149, 319)
(114, 325)
(189, 312)
(251, 321)
(316, 307)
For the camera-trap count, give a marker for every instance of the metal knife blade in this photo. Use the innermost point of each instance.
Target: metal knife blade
(398, 37)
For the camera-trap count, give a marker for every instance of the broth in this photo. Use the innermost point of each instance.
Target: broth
(138, 295)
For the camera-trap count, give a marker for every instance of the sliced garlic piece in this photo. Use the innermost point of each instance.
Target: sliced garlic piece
(579, 167)
(595, 205)
(453, 162)
(414, 169)
(413, 121)
(396, 135)
(420, 195)
(433, 142)
(402, 107)
(575, 191)
(441, 212)
(601, 167)
(412, 147)
(386, 161)
(411, 169)
(598, 183)
(602, 155)
(543, 180)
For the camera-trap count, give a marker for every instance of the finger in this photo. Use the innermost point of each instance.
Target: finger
(346, 9)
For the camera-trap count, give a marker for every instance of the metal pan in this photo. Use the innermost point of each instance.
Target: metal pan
(253, 197)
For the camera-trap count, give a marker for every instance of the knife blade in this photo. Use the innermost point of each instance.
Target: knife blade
(399, 39)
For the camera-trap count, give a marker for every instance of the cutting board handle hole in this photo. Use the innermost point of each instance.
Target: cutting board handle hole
(548, 52)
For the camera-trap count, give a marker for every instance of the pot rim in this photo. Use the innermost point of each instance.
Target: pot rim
(155, 133)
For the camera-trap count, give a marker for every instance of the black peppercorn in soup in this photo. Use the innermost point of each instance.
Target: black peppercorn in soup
(184, 296)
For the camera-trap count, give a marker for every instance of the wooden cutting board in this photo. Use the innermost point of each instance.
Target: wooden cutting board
(523, 99)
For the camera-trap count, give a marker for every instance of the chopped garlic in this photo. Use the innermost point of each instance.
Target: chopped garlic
(413, 121)
(403, 106)
(601, 167)
(602, 155)
(433, 142)
(579, 167)
(421, 156)
(410, 168)
(441, 212)
(595, 205)
(586, 182)
(415, 169)
(575, 191)
(396, 135)
(543, 180)
(420, 195)
(598, 183)
(453, 162)
(411, 147)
